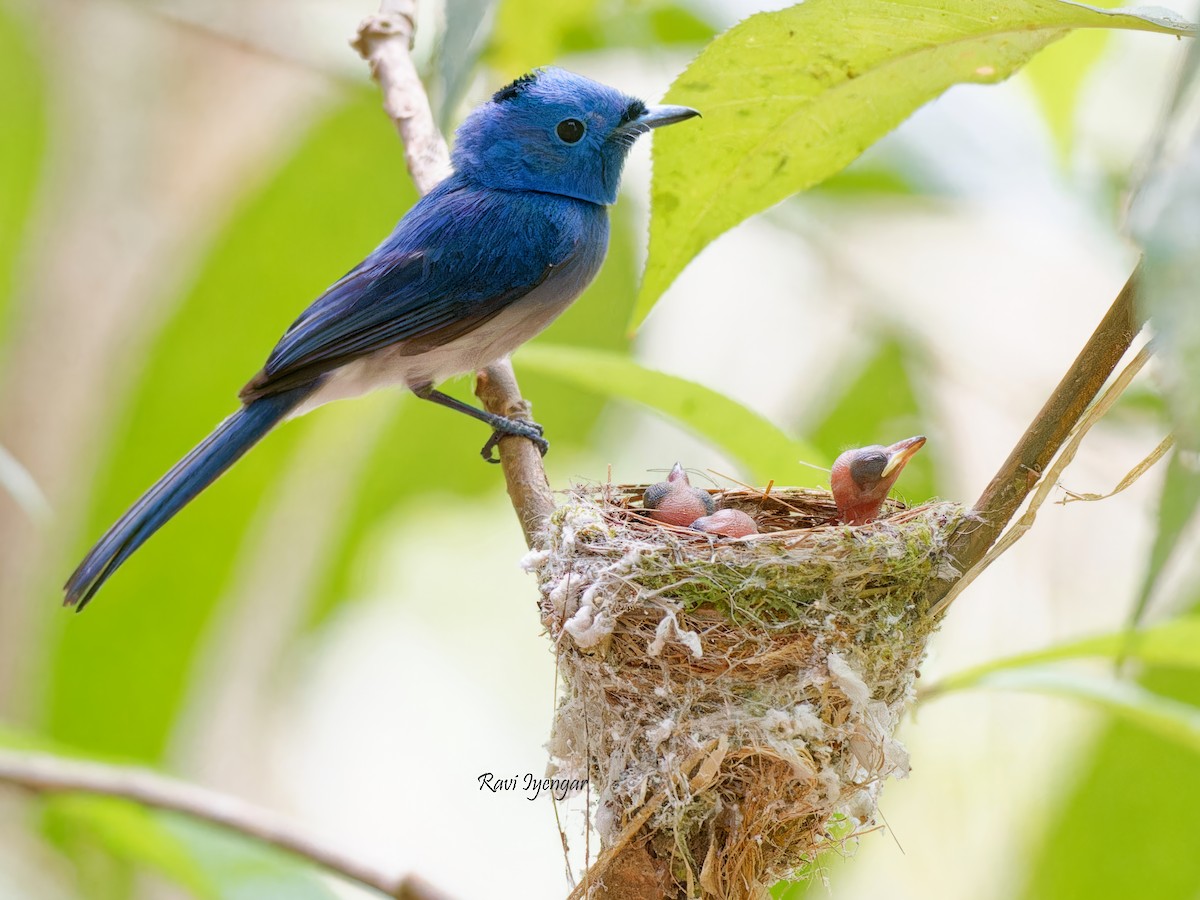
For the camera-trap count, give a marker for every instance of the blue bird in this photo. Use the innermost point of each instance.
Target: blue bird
(481, 264)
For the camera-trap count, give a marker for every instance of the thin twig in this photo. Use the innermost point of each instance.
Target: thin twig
(258, 45)
(45, 773)
(1132, 477)
(1040, 443)
(385, 41)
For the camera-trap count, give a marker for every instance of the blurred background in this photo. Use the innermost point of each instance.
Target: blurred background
(340, 628)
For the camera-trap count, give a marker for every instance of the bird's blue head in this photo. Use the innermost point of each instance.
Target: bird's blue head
(557, 133)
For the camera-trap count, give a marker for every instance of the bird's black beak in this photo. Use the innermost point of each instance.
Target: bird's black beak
(658, 116)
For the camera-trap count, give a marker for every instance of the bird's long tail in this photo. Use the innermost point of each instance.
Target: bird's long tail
(192, 474)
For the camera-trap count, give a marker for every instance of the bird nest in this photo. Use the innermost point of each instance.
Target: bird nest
(732, 703)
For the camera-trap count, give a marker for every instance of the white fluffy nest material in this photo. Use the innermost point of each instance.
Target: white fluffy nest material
(733, 702)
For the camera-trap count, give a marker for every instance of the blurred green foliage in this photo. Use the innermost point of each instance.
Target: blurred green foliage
(1177, 504)
(1059, 74)
(1127, 826)
(322, 205)
(23, 146)
(1174, 643)
(242, 299)
(772, 128)
(129, 834)
(1165, 217)
(528, 35)
(245, 870)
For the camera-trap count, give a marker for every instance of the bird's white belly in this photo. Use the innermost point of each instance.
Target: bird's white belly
(477, 349)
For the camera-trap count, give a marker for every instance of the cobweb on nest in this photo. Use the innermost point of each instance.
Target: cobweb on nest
(734, 702)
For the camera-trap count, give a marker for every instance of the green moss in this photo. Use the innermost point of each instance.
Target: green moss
(876, 578)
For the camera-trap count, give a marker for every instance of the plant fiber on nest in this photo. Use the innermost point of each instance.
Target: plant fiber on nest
(733, 702)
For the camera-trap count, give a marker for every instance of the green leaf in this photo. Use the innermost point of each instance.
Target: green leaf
(1139, 404)
(644, 25)
(131, 833)
(1125, 792)
(1169, 718)
(22, 149)
(1176, 508)
(873, 179)
(125, 830)
(760, 446)
(245, 869)
(1133, 777)
(22, 739)
(210, 862)
(791, 97)
(1175, 643)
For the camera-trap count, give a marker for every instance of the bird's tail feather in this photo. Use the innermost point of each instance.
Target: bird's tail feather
(192, 474)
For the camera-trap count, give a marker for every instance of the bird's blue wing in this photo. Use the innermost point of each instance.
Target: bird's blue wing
(458, 258)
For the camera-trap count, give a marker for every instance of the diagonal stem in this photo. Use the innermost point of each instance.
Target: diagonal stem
(1026, 464)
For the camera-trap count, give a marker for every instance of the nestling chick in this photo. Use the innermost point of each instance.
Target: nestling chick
(862, 478)
(675, 501)
(727, 523)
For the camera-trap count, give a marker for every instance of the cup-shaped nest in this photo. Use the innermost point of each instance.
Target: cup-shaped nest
(733, 702)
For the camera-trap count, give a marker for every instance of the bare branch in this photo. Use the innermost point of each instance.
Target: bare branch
(385, 41)
(528, 489)
(44, 773)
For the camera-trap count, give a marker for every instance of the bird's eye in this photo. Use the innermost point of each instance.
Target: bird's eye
(570, 130)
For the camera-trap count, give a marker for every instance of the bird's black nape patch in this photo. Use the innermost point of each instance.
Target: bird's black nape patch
(867, 467)
(634, 110)
(516, 87)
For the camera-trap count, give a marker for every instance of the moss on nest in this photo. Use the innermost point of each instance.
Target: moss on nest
(729, 698)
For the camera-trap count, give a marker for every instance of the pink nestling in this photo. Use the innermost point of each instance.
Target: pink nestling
(861, 478)
(675, 501)
(727, 523)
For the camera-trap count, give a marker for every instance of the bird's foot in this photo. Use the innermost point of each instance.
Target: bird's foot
(514, 428)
